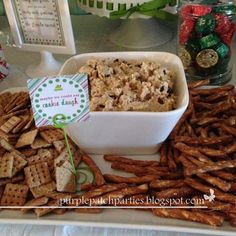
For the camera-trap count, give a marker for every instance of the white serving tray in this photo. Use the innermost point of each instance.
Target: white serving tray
(115, 218)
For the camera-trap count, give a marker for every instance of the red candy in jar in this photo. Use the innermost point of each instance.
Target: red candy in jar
(206, 30)
(223, 23)
(195, 10)
(200, 10)
(185, 30)
(228, 36)
(186, 11)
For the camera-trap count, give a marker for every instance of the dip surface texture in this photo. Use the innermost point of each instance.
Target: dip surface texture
(119, 85)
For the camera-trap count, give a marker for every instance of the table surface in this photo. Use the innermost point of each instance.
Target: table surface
(89, 38)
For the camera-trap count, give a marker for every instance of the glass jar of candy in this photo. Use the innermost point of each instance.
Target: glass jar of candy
(205, 36)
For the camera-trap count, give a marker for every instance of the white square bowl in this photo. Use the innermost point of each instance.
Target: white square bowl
(128, 133)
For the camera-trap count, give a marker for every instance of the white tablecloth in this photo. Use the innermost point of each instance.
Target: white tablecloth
(91, 34)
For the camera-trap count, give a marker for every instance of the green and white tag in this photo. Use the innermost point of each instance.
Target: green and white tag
(59, 99)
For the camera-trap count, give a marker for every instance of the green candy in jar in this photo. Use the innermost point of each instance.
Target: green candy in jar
(222, 65)
(205, 24)
(222, 49)
(226, 9)
(208, 45)
(208, 41)
(193, 45)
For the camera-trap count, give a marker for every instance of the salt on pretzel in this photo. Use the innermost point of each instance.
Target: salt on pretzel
(178, 192)
(219, 195)
(131, 180)
(138, 169)
(98, 191)
(163, 184)
(219, 173)
(198, 83)
(129, 161)
(189, 215)
(204, 141)
(212, 90)
(212, 167)
(192, 151)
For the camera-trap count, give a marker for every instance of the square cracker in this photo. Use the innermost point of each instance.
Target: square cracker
(6, 145)
(26, 138)
(59, 145)
(52, 135)
(53, 152)
(10, 124)
(6, 166)
(19, 127)
(18, 164)
(43, 190)
(44, 155)
(37, 174)
(64, 156)
(14, 195)
(40, 143)
(65, 178)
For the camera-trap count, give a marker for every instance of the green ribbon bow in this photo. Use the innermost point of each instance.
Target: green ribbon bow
(152, 9)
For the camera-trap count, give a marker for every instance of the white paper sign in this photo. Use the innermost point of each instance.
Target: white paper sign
(41, 25)
(40, 21)
(59, 99)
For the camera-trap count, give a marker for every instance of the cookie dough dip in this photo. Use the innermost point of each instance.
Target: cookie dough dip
(120, 85)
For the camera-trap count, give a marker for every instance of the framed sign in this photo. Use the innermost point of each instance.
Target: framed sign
(41, 25)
